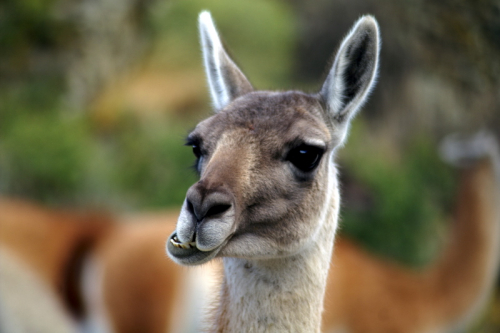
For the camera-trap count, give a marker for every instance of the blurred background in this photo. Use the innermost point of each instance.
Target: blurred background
(96, 97)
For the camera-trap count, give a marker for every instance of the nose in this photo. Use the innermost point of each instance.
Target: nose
(210, 205)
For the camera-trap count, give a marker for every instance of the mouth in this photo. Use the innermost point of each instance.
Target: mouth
(187, 253)
(178, 244)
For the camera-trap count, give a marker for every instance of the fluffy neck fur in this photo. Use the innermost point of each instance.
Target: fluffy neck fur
(284, 294)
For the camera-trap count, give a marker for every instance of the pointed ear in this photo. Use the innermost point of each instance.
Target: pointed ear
(225, 79)
(354, 71)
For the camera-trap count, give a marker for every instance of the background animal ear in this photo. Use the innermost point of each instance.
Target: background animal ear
(464, 151)
(225, 79)
(354, 71)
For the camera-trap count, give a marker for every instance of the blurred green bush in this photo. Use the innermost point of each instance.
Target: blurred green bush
(55, 156)
(406, 200)
(49, 155)
(45, 156)
(150, 163)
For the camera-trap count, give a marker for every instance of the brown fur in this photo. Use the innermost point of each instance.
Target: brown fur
(141, 284)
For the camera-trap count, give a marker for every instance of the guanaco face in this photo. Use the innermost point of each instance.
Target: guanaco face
(265, 159)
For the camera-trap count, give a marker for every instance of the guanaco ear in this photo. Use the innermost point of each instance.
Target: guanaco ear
(354, 71)
(225, 79)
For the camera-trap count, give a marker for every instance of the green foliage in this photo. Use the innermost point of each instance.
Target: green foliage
(52, 156)
(27, 26)
(61, 160)
(408, 200)
(45, 156)
(151, 165)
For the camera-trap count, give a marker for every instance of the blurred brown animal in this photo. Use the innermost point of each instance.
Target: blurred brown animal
(27, 303)
(53, 244)
(108, 273)
(367, 294)
(141, 289)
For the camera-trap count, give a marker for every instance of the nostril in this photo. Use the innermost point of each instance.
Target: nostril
(190, 207)
(206, 205)
(193, 211)
(216, 210)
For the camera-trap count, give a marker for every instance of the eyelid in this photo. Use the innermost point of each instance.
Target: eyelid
(315, 143)
(193, 140)
(318, 144)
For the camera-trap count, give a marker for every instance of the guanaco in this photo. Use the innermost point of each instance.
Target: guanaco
(267, 201)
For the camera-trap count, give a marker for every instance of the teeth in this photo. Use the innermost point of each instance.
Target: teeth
(187, 245)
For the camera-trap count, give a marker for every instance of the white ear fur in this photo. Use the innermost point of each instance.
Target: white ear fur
(225, 79)
(354, 71)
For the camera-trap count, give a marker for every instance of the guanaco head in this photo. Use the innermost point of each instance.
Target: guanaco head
(265, 159)
(462, 151)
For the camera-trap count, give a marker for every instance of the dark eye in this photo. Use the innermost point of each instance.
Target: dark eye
(195, 144)
(196, 150)
(305, 157)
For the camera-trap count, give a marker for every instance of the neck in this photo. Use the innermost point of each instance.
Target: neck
(279, 295)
